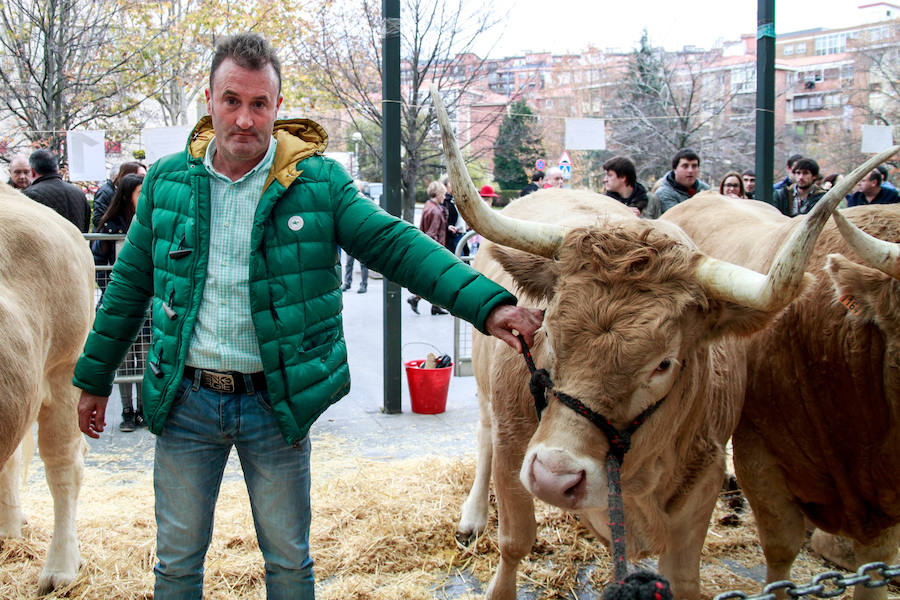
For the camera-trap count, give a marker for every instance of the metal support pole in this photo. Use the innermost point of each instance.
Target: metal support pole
(390, 110)
(765, 100)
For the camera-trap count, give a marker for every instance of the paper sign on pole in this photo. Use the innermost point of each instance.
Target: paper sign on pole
(876, 138)
(161, 141)
(87, 155)
(585, 134)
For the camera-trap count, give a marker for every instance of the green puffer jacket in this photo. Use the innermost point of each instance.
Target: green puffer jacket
(308, 208)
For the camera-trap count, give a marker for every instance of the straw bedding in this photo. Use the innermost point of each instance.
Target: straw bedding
(380, 530)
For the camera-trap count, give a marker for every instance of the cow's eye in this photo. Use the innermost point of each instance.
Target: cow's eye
(664, 366)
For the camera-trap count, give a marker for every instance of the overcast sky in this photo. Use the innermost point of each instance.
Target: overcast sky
(562, 26)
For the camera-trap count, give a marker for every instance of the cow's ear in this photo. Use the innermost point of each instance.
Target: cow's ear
(858, 287)
(535, 275)
(723, 318)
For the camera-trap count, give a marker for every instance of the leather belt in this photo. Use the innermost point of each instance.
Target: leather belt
(227, 382)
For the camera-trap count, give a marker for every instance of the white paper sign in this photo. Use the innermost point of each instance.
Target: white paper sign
(87, 155)
(585, 134)
(876, 138)
(162, 141)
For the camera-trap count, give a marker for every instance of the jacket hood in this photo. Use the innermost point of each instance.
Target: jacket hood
(297, 139)
(670, 178)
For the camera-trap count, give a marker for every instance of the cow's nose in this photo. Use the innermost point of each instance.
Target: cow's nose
(554, 479)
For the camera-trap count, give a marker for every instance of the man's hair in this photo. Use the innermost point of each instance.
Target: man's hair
(876, 176)
(792, 160)
(807, 164)
(247, 50)
(554, 171)
(22, 157)
(882, 168)
(623, 167)
(43, 162)
(749, 172)
(685, 153)
(537, 176)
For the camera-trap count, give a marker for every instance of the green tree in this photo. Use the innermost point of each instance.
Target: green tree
(518, 144)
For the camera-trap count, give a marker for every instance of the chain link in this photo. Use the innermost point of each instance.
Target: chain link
(829, 584)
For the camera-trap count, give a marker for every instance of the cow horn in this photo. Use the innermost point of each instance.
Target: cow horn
(879, 254)
(536, 238)
(775, 290)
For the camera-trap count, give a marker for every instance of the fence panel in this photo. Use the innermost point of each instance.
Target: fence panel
(132, 368)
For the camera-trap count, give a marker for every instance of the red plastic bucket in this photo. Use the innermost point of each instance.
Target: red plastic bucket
(427, 387)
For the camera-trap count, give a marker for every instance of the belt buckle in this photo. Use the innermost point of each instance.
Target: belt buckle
(220, 382)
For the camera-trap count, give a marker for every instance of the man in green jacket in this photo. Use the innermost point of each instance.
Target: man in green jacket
(234, 248)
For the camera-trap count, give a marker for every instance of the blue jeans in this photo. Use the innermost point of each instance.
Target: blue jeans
(191, 453)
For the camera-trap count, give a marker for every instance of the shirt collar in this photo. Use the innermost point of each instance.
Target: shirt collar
(265, 163)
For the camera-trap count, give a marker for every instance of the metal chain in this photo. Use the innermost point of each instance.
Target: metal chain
(824, 585)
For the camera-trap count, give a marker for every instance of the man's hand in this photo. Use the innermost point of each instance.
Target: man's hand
(506, 318)
(92, 414)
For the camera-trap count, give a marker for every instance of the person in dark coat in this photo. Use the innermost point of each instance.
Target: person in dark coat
(537, 182)
(871, 191)
(434, 224)
(799, 197)
(622, 184)
(49, 189)
(455, 225)
(104, 195)
(682, 181)
(19, 172)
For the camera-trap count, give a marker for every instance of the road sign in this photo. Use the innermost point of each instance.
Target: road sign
(564, 159)
(566, 171)
(540, 165)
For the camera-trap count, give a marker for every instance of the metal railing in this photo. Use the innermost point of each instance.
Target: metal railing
(462, 330)
(132, 368)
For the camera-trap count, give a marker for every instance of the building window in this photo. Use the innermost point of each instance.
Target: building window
(831, 44)
(847, 72)
(789, 50)
(800, 48)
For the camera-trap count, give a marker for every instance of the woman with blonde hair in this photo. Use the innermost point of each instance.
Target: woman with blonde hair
(434, 225)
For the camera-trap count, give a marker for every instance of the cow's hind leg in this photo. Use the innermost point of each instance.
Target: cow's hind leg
(62, 449)
(779, 520)
(11, 516)
(849, 555)
(474, 517)
(17, 413)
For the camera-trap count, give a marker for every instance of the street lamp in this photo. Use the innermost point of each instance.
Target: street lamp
(356, 136)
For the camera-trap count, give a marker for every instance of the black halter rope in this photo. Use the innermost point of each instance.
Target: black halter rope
(619, 443)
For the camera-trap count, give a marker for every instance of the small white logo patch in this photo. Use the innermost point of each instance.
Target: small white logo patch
(295, 223)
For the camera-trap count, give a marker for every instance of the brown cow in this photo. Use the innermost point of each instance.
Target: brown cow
(46, 309)
(635, 314)
(819, 436)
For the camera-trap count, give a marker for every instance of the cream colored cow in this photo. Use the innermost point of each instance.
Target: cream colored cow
(46, 308)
